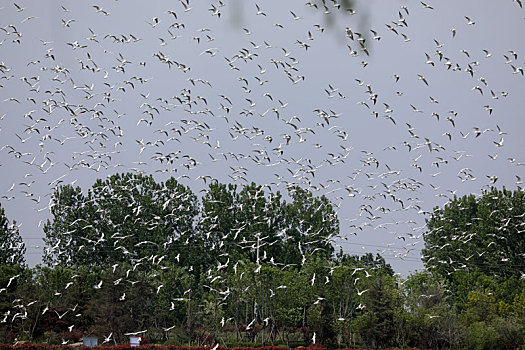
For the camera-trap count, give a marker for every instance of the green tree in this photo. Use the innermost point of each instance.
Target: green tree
(376, 324)
(60, 291)
(120, 305)
(12, 248)
(263, 218)
(481, 307)
(431, 322)
(124, 218)
(253, 224)
(220, 227)
(482, 233)
(310, 224)
(13, 310)
(342, 295)
(71, 229)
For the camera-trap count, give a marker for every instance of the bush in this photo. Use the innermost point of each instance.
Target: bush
(511, 331)
(32, 346)
(481, 336)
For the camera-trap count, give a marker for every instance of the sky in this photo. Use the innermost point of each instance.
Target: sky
(389, 108)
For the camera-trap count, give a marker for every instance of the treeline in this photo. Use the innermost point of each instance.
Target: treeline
(244, 267)
(345, 301)
(131, 218)
(31, 346)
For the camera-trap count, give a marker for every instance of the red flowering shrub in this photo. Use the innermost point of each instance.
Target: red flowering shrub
(31, 346)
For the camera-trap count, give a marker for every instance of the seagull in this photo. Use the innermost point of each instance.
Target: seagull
(426, 6)
(99, 9)
(499, 143)
(250, 324)
(361, 292)
(108, 338)
(136, 333)
(259, 12)
(295, 17)
(169, 328)
(60, 316)
(11, 280)
(423, 79)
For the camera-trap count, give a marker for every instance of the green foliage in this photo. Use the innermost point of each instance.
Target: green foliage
(481, 336)
(13, 279)
(259, 226)
(342, 301)
(117, 215)
(481, 307)
(477, 234)
(511, 331)
(424, 291)
(129, 218)
(376, 324)
(430, 320)
(12, 248)
(247, 267)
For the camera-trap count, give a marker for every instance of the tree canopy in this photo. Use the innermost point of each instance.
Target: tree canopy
(244, 265)
(12, 248)
(483, 233)
(133, 219)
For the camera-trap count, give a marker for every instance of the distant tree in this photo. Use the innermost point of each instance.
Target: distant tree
(124, 218)
(484, 233)
(120, 307)
(262, 215)
(69, 231)
(311, 222)
(430, 321)
(260, 226)
(220, 227)
(12, 248)
(13, 319)
(376, 263)
(376, 325)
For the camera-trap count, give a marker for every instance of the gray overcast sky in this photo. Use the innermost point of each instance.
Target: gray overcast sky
(427, 115)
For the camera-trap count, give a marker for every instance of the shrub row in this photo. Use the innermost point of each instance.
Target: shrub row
(32, 346)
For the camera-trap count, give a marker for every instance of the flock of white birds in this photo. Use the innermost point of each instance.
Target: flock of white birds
(387, 108)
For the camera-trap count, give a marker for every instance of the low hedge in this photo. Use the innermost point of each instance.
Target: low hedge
(32, 346)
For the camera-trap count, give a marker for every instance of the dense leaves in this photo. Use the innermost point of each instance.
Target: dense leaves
(482, 233)
(125, 218)
(133, 219)
(30, 346)
(338, 302)
(246, 267)
(12, 247)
